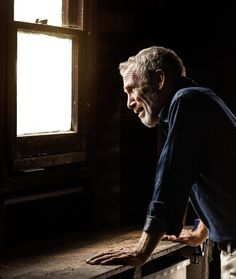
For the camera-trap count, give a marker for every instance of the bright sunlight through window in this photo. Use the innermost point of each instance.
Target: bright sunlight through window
(44, 82)
(31, 10)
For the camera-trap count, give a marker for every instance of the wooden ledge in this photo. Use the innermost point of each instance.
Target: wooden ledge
(66, 259)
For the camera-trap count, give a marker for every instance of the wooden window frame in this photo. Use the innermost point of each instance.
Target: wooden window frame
(37, 151)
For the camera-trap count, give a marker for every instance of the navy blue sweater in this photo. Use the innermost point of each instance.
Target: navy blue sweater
(197, 163)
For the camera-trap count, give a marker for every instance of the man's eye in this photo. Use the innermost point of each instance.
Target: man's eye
(129, 89)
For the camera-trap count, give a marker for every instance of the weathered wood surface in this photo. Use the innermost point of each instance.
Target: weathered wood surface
(66, 259)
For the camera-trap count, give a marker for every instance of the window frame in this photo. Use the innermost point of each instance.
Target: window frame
(49, 149)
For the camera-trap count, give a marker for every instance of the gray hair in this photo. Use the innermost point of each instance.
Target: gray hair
(148, 60)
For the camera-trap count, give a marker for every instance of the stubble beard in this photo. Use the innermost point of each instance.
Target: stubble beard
(150, 118)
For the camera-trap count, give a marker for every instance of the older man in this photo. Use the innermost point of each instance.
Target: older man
(197, 162)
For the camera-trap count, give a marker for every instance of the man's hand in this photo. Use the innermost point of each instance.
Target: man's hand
(117, 256)
(190, 237)
(186, 236)
(132, 256)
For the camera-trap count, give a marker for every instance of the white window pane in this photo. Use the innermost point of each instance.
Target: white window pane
(30, 10)
(44, 83)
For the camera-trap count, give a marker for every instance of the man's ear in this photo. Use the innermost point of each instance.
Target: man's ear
(160, 76)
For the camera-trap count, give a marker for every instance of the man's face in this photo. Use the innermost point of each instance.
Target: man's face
(141, 99)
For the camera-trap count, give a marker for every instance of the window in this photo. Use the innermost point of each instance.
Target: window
(46, 112)
(39, 92)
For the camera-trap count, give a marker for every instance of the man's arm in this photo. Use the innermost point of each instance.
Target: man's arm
(147, 243)
(132, 256)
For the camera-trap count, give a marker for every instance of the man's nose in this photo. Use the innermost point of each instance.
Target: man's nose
(131, 103)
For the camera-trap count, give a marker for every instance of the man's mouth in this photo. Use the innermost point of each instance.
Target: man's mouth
(140, 112)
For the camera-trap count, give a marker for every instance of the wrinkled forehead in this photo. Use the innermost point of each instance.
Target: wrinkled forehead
(129, 76)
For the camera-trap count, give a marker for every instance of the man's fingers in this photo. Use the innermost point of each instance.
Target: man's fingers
(120, 256)
(105, 256)
(97, 258)
(100, 259)
(108, 252)
(169, 237)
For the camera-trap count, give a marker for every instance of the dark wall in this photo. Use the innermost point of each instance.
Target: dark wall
(203, 34)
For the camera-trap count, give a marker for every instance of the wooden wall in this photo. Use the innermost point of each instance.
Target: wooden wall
(119, 183)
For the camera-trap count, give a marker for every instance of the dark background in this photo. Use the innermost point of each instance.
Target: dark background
(118, 186)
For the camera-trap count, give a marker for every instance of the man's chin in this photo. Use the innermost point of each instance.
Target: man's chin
(149, 123)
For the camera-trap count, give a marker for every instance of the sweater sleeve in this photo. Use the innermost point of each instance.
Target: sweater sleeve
(178, 166)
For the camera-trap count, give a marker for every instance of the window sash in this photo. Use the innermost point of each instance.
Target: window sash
(34, 146)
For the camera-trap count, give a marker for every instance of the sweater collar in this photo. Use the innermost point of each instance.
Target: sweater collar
(183, 82)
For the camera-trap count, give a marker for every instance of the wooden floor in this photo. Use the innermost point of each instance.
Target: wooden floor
(66, 258)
